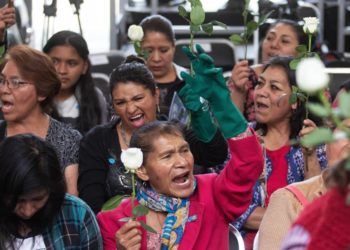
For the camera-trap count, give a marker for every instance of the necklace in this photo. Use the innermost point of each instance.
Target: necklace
(123, 134)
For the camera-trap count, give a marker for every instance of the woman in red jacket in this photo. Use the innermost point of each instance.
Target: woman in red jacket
(187, 211)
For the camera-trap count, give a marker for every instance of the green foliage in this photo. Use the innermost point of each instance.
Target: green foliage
(139, 51)
(302, 52)
(140, 210)
(319, 110)
(344, 104)
(297, 95)
(197, 15)
(147, 228)
(317, 137)
(249, 28)
(113, 202)
(182, 11)
(196, 18)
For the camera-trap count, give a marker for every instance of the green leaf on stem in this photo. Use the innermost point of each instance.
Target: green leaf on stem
(347, 165)
(219, 24)
(317, 137)
(236, 39)
(147, 228)
(252, 26)
(344, 104)
(182, 11)
(207, 28)
(262, 18)
(197, 15)
(294, 63)
(318, 109)
(293, 98)
(195, 28)
(301, 48)
(140, 210)
(113, 202)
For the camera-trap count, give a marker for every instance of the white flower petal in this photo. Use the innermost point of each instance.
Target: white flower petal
(135, 32)
(311, 75)
(132, 158)
(310, 25)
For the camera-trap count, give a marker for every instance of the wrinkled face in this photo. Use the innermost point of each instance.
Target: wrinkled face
(27, 205)
(18, 103)
(69, 65)
(169, 167)
(281, 40)
(271, 96)
(161, 53)
(135, 104)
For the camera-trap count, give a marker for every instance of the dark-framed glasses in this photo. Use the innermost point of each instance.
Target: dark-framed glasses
(12, 83)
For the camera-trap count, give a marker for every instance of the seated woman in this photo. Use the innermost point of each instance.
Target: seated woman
(325, 223)
(278, 122)
(79, 102)
(281, 39)
(135, 100)
(159, 43)
(194, 210)
(287, 203)
(28, 84)
(36, 213)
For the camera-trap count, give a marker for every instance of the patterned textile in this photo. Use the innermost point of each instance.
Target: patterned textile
(249, 111)
(174, 224)
(74, 227)
(63, 138)
(295, 162)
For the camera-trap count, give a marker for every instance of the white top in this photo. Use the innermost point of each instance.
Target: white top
(68, 107)
(32, 243)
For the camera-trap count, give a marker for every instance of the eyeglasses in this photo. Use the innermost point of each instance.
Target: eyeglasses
(12, 83)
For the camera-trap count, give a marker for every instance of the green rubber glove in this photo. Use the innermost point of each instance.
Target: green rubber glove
(209, 83)
(201, 121)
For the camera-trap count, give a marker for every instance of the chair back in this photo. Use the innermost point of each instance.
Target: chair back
(235, 239)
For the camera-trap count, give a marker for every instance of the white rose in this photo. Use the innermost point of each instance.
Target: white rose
(311, 75)
(310, 25)
(135, 33)
(253, 6)
(132, 158)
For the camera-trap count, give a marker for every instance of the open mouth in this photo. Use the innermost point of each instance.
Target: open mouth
(182, 180)
(137, 120)
(261, 105)
(6, 106)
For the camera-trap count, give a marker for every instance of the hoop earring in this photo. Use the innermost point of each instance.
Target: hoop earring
(158, 109)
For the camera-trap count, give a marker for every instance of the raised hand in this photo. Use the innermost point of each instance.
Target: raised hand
(201, 121)
(209, 83)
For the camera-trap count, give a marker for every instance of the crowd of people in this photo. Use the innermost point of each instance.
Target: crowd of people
(60, 150)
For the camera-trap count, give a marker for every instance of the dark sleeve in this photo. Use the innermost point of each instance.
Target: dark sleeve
(208, 154)
(93, 168)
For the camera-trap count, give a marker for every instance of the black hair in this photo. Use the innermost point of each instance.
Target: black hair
(89, 108)
(299, 114)
(144, 136)
(158, 23)
(133, 69)
(28, 164)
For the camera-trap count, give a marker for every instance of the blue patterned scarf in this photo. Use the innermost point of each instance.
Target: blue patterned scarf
(177, 209)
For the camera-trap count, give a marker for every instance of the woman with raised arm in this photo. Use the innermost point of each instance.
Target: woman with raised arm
(281, 39)
(135, 99)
